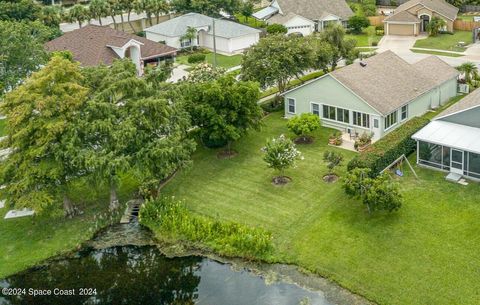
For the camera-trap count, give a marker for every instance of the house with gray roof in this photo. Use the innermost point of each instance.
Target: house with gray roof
(305, 16)
(451, 142)
(412, 17)
(376, 95)
(230, 37)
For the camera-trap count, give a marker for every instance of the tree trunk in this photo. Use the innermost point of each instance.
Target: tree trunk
(123, 22)
(69, 209)
(80, 24)
(100, 21)
(130, 23)
(114, 203)
(114, 22)
(158, 18)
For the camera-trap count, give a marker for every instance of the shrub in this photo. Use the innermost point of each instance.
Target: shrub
(281, 154)
(304, 124)
(195, 58)
(170, 219)
(333, 159)
(382, 153)
(272, 105)
(276, 29)
(375, 43)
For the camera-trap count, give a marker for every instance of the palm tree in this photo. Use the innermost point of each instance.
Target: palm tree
(129, 6)
(190, 35)
(435, 25)
(157, 7)
(78, 13)
(470, 70)
(50, 16)
(114, 9)
(98, 9)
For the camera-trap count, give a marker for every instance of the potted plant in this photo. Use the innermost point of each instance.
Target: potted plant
(335, 138)
(363, 141)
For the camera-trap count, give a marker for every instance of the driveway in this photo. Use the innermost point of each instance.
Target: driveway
(401, 46)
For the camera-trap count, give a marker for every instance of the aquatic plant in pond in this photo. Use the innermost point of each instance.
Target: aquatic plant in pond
(169, 218)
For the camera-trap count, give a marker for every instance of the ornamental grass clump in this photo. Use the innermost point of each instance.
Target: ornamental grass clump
(170, 219)
(281, 154)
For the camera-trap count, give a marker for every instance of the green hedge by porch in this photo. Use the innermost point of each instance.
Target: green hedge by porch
(383, 152)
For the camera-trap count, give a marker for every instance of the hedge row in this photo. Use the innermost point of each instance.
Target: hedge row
(383, 152)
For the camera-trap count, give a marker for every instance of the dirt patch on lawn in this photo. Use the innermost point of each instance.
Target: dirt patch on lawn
(330, 178)
(226, 154)
(303, 140)
(281, 180)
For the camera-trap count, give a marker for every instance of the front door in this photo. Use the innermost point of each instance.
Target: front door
(456, 163)
(424, 25)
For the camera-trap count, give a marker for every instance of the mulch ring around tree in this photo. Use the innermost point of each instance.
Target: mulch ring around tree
(281, 180)
(330, 178)
(226, 154)
(303, 140)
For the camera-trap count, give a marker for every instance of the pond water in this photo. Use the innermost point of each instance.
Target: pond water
(142, 275)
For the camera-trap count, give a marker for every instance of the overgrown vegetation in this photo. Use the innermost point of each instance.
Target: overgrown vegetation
(170, 220)
(383, 152)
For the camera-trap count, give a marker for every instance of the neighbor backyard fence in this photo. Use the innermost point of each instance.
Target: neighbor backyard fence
(462, 25)
(376, 20)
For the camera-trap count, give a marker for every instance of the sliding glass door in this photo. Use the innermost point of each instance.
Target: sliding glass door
(456, 163)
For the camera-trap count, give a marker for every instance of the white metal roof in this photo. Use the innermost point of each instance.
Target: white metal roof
(450, 134)
(266, 12)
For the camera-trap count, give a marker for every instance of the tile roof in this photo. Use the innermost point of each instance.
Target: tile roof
(223, 28)
(387, 82)
(440, 6)
(315, 9)
(89, 45)
(470, 101)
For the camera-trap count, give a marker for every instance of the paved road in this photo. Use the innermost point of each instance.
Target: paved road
(401, 46)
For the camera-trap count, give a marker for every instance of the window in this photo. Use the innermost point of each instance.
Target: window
(404, 113)
(337, 114)
(185, 43)
(361, 119)
(291, 105)
(391, 120)
(375, 123)
(316, 109)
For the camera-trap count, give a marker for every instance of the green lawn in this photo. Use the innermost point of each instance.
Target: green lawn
(29, 241)
(363, 40)
(222, 60)
(436, 53)
(446, 42)
(465, 17)
(426, 253)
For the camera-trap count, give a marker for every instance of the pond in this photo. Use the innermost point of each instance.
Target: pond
(142, 275)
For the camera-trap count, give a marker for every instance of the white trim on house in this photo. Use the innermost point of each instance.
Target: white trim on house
(294, 105)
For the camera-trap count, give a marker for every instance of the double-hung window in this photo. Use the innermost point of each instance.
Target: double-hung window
(404, 113)
(391, 119)
(291, 105)
(316, 109)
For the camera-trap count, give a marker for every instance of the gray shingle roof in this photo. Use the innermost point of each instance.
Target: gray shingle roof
(439, 6)
(223, 28)
(470, 101)
(436, 70)
(387, 82)
(315, 9)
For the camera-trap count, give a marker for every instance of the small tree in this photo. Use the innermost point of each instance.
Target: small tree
(340, 47)
(357, 23)
(246, 9)
(189, 35)
(333, 159)
(304, 124)
(78, 13)
(435, 25)
(469, 70)
(276, 29)
(376, 193)
(205, 72)
(280, 154)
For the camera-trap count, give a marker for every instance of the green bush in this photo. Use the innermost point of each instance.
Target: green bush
(272, 105)
(170, 219)
(383, 152)
(196, 58)
(276, 28)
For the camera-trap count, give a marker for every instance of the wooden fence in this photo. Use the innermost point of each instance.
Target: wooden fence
(376, 20)
(462, 25)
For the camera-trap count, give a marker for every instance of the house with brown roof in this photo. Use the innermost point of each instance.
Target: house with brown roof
(451, 142)
(94, 45)
(376, 95)
(305, 16)
(412, 17)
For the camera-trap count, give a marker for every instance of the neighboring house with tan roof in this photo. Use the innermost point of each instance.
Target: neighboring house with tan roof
(412, 17)
(94, 45)
(451, 142)
(230, 37)
(376, 95)
(305, 16)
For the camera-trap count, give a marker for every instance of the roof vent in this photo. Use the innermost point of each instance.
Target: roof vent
(363, 64)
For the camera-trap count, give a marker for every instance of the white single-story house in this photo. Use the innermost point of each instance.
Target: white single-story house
(305, 16)
(230, 37)
(376, 95)
(451, 142)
